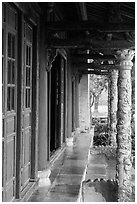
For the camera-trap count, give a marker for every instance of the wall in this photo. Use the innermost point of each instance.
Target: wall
(42, 139)
(69, 98)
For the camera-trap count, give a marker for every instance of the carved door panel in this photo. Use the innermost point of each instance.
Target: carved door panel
(26, 107)
(9, 89)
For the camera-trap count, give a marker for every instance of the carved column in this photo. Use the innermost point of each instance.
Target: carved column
(109, 99)
(113, 105)
(124, 163)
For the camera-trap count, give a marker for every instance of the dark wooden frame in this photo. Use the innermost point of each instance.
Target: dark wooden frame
(34, 123)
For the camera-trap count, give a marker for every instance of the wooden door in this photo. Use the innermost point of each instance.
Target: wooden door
(57, 104)
(9, 103)
(54, 106)
(26, 106)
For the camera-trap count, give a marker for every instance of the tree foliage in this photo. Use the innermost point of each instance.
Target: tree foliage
(98, 83)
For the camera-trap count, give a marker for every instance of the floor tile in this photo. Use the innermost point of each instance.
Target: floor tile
(70, 189)
(68, 179)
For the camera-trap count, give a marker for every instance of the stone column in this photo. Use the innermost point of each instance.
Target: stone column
(113, 105)
(124, 163)
(109, 99)
(84, 119)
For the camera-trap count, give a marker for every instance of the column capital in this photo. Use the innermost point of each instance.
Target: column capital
(114, 73)
(125, 58)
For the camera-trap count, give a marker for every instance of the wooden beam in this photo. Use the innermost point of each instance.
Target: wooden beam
(90, 44)
(83, 11)
(86, 66)
(92, 56)
(90, 25)
(94, 72)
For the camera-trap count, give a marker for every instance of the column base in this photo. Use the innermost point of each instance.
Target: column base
(44, 178)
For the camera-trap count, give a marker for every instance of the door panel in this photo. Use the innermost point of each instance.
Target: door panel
(10, 161)
(27, 145)
(26, 108)
(10, 125)
(16, 109)
(9, 193)
(9, 87)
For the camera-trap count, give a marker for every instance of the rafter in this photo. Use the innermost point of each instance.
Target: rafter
(92, 56)
(86, 66)
(94, 72)
(90, 44)
(90, 25)
(83, 13)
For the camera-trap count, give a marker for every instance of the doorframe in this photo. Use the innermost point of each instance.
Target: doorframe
(63, 56)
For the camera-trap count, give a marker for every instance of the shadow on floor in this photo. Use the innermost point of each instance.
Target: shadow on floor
(108, 189)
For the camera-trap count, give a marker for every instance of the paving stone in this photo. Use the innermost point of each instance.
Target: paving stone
(60, 197)
(71, 189)
(107, 189)
(97, 159)
(95, 176)
(71, 162)
(111, 169)
(96, 170)
(72, 170)
(39, 195)
(67, 175)
(90, 195)
(76, 157)
(68, 179)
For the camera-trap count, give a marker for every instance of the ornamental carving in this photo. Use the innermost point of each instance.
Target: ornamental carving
(125, 58)
(124, 126)
(113, 105)
(125, 54)
(51, 55)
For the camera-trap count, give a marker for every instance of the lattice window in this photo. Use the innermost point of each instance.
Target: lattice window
(11, 73)
(28, 76)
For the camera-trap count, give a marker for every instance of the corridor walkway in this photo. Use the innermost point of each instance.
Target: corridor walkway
(67, 173)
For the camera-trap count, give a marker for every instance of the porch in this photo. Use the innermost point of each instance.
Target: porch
(67, 172)
(49, 52)
(81, 173)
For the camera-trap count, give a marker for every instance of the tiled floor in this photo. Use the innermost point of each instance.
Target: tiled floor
(80, 162)
(98, 168)
(67, 174)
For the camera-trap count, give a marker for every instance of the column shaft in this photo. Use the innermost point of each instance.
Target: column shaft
(113, 105)
(124, 163)
(109, 100)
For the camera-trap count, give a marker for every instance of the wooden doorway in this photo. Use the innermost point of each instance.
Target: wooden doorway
(18, 103)
(55, 123)
(57, 104)
(9, 103)
(26, 106)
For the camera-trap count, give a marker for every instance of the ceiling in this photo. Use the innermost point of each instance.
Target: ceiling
(99, 28)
